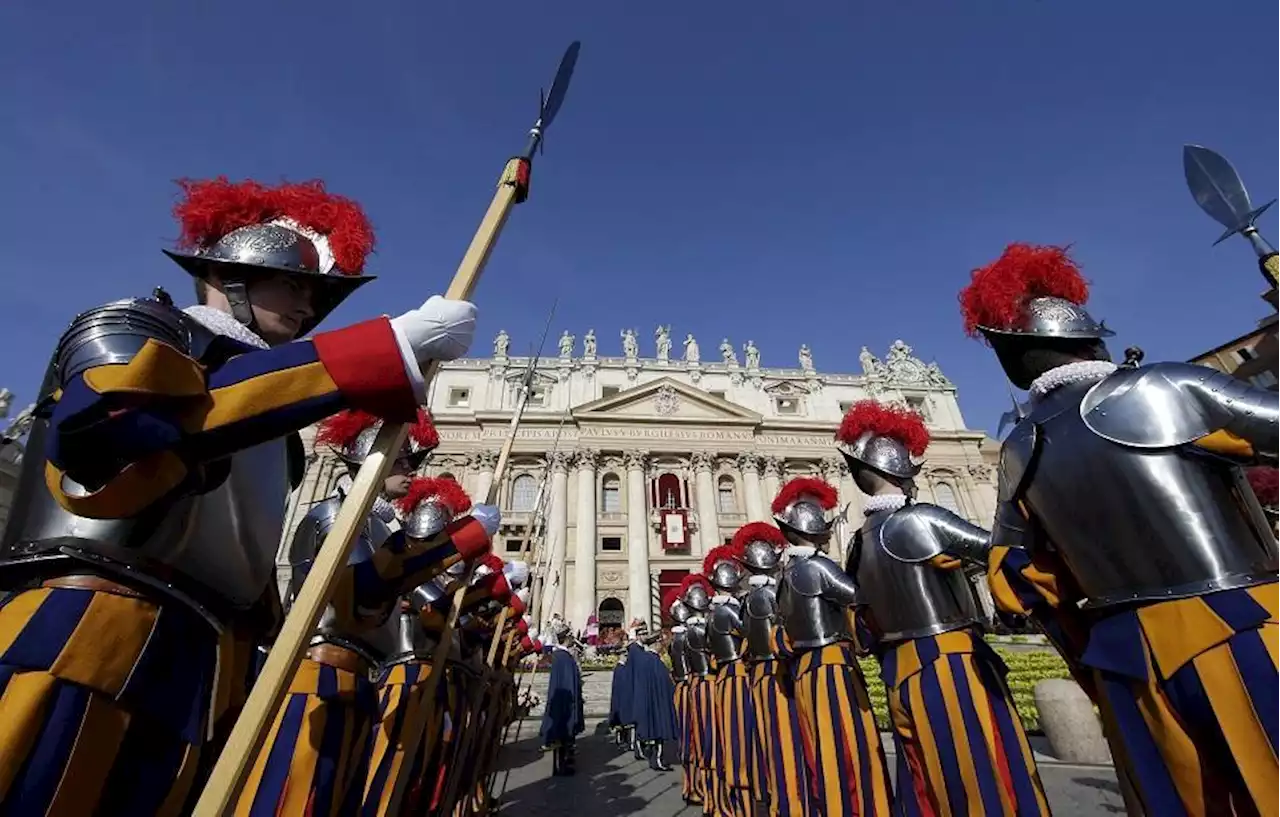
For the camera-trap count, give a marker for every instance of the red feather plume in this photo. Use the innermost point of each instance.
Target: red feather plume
(901, 424)
(450, 493)
(211, 208)
(341, 428)
(1265, 482)
(758, 532)
(998, 292)
(819, 490)
(669, 598)
(721, 553)
(694, 580)
(423, 432)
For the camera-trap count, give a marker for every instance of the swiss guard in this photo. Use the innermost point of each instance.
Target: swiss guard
(153, 495)
(961, 745)
(677, 653)
(731, 787)
(1164, 588)
(428, 507)
(695, 592)
(847, 772)
(318, 747)
(780, 779)
(563, 719)
(652, 698)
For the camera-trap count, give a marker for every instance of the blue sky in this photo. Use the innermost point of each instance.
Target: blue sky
(814, 172)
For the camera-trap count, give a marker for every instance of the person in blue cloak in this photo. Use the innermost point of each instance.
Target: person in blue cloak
(621, 719)
(652, 698)
(563, 720)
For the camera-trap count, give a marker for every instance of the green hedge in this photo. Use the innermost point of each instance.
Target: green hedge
(1026, 669)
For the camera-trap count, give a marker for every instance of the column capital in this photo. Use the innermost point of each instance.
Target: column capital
(561, 461)
(771, 466)
(702, 461)
(831, 467)
(586, 458)
(636, 460)
(483, 460)
(748, 463)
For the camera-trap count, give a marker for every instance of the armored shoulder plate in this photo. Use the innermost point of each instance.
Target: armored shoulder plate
(762, 602)
(117, 331)
(1157, 406)
(425, 595)
(919, 532)
(311, 533)
(805, 577)
(1015, 460)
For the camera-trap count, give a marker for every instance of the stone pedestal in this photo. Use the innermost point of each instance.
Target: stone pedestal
(1069, 722)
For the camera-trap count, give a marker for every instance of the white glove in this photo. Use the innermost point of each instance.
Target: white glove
(440, 329)
(489, 516)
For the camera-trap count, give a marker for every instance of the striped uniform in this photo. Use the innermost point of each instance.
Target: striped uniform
(848, 775)
(101, 663)
(402, 691)
(732, 743)
(962, 748)
(688, 778)
(701, 737)
(778, 736)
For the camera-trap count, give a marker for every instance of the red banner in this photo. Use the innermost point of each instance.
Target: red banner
(675, 529)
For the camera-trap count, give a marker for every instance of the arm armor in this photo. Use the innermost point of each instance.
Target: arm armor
(917, 533)
(838, 586)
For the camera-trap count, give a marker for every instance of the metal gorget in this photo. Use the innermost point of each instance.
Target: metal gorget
(696, 653)
(724, 632)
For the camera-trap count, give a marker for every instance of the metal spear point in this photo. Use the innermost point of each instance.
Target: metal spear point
(1217, 188)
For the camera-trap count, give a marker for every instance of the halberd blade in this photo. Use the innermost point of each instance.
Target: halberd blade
(1217, 188)
(559, 86)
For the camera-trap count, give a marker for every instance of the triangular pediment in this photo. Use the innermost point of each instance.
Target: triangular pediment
(667, 400)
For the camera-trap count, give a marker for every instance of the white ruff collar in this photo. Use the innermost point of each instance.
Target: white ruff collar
(679, 628)
(761, 581)
(219, 322)
(799, 552)
(722, 598)
(696, 620)
(382, 509)
(883, 502)
(1065, 375)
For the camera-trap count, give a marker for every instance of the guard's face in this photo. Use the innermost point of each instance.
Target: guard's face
(281, 304)
(397, 482)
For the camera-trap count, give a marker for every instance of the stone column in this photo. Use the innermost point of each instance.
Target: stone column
(557, 535)
(583, 601)
(638, 593)
(829, 469)
(772, 470)
(749, 465)
(708, 517)
(483, 462)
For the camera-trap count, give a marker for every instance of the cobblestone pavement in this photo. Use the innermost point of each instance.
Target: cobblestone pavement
(610, 782)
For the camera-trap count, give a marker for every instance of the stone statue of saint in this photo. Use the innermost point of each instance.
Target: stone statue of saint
(663, 337)
(566, 344)
(501, 343)
(727, 352)
(870, 365)
(691, 352)
(753, 354)
(6, 401)
(630, 347)
(589, 343)
(806, 358)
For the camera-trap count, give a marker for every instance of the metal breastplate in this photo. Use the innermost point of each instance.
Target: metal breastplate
(696, 650)
(679, 658)
(412, 642)
(909, 600)
(810, 620)
(221, 544)
(1132, 524)
(760, 610)
(724, 633)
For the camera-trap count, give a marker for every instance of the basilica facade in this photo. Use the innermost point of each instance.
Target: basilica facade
(626, 470)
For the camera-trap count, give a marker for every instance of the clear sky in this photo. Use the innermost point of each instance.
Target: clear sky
(806, 172)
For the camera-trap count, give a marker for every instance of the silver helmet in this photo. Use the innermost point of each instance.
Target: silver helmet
(722, 568)
(883, 438)
(351, 434)
(759, 546)
(430, 505)
(697, 596)
(299, 230)
(679, 611)
(1030, 291)
(802, 506)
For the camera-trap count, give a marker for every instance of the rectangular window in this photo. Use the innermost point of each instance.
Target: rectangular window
(459, 398)
(611, 495)
(1245, 354)
(611, 544)
(787, 406)
(538, 396)
(514, 545)
(608, 391)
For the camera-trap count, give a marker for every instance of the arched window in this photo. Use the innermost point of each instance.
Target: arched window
(945, 495)
(611, 494)
(726, 497)
(524, 493)
(669, 493)
(611, 613)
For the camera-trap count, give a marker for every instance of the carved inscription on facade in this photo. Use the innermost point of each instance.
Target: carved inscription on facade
(660, 433)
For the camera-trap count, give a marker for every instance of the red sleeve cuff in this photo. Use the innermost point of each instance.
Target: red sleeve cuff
(527, 644)
(365, 363)
(520, 625)
(517, 608)
(469, 537)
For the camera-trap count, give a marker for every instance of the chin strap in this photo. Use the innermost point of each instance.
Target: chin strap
(238, 298)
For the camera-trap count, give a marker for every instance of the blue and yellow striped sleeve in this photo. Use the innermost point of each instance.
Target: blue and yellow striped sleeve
(134, 432)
